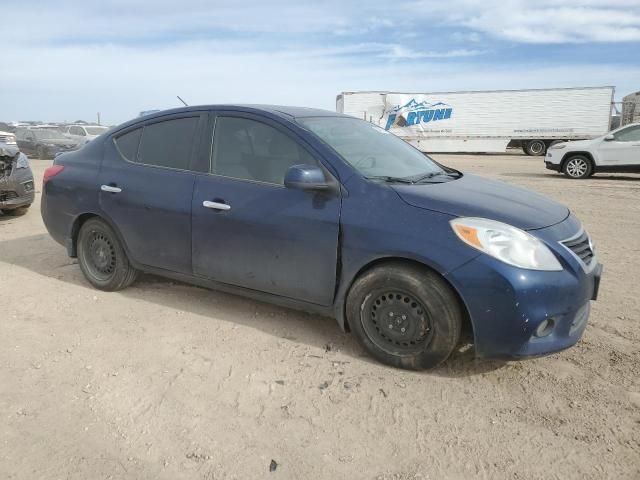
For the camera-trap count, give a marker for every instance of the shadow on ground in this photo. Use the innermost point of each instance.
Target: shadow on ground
(41, 255)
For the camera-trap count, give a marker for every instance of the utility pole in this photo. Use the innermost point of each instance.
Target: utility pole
(98, 118)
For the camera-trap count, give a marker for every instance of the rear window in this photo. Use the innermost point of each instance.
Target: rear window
(128, 144)
(168, 143)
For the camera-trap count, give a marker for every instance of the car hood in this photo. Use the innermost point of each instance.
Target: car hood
(473, 196)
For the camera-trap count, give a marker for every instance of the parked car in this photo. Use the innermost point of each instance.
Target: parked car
(7, 138)
(16, 181)
(329, 214)
(82, 134)
(43, 143)
(617, 151)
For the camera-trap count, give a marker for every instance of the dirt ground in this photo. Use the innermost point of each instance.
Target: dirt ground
(169, 381)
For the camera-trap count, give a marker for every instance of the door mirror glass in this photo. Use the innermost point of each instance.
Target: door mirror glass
(609, 138)
(305, 177)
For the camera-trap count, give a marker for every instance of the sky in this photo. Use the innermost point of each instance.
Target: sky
(67, 60)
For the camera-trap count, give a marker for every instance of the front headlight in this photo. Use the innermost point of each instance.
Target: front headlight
(506, 243)
(23, 161)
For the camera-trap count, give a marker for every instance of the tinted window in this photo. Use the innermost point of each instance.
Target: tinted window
(128, 144)
(168, 144)
(631, 134)
(252, 150)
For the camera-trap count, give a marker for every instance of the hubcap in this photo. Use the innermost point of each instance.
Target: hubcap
(577, 167)
(100, 255)
(536, 147)
(396, 322)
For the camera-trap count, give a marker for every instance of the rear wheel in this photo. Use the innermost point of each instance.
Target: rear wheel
(577, 166)
(102, 258)
(535, 148)
(405, 316)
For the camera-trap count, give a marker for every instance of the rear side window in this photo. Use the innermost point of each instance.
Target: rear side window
(168, 143)
(128, 144)
(251, 150)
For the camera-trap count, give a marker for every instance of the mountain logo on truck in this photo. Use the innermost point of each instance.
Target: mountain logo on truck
(414, 113)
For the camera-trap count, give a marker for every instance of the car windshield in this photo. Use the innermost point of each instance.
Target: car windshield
(374, 152)
(96, 130)
(48, 135)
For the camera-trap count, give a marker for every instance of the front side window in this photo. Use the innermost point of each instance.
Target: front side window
(251, 150)
(168, 143)
(631, 134)
(374, 152)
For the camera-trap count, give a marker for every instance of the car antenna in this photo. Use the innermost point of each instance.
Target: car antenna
(185, 103)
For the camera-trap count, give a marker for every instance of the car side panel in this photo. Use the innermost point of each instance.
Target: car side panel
(72, 193)
(391, 229)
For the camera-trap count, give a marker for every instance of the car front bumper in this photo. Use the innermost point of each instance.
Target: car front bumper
(508, 305)
(17, 190)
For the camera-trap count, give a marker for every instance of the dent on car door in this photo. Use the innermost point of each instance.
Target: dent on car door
(257, 233)
(146, 183)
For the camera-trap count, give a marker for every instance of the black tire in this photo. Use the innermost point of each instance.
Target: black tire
(577, 167)
(41, 153)
(16, 212)
(102, 258)
(535, 148)
(410, 298)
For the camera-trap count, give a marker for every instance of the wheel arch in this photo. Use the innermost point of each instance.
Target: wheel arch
(467, 324)
(81, 220)
(568, 155)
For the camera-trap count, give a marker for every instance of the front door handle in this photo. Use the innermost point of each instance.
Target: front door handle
(216, 205)
(111, 189)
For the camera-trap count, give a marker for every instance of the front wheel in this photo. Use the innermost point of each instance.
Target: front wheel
(405, 316)
(102, 258)
(577, 166)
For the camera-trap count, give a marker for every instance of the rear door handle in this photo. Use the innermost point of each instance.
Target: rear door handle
(216, 205)
(109, 188)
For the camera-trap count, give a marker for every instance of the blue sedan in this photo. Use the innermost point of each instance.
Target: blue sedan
(328, 214)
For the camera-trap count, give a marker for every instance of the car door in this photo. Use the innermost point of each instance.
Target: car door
(146, 182)
(259, 234)
(623, 149)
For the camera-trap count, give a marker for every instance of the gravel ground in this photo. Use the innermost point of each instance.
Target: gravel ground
(170, 381)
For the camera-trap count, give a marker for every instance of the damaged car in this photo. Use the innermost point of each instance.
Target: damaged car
(16, 181)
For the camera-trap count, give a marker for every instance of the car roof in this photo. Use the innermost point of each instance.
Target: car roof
(282, 111)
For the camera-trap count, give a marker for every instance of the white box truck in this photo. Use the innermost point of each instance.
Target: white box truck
(487, 121)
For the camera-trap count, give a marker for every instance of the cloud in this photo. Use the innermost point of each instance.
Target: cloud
(70, 59)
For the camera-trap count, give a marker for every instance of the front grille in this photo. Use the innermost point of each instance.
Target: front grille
(7, 195)
(581, 247)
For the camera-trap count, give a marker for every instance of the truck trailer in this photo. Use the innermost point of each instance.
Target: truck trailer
(486, 121)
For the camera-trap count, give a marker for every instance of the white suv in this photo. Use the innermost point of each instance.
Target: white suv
(82, 134)
(617, 151)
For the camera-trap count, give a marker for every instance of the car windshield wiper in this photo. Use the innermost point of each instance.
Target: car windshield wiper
(452, 174)
(390, 179)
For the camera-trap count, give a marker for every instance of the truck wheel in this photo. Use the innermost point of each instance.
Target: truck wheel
(577, 166)
(404, 316)
(535, 148)
(102, 258)
(16, 212)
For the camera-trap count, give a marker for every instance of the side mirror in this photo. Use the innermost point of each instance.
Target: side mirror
(305, 177)
(609, 137)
